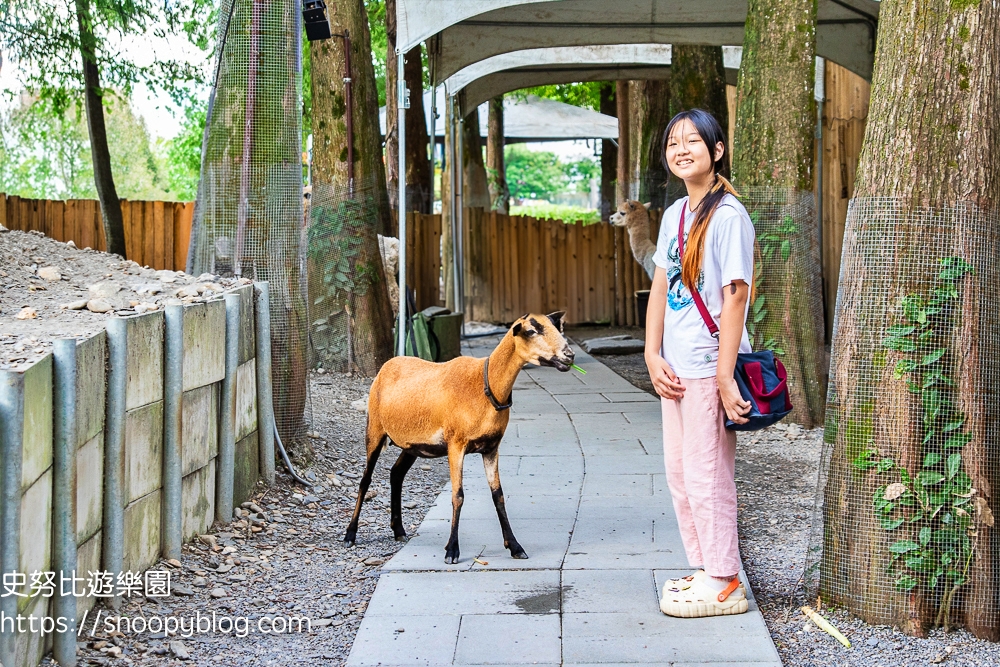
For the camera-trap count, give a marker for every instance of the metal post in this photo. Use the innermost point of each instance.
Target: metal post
(173, 403)
(454, 177)
(459, 244)
(64, 496)
(402, 103)
(265, 409)
(11, 442)
(113, 528)
(225, 470)
(819, 92)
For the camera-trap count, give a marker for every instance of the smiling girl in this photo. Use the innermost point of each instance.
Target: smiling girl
(706, 243)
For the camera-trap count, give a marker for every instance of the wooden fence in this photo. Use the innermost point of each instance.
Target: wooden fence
(156, 232)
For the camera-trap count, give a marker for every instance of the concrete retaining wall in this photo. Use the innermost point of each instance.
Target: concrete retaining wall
(26, 428)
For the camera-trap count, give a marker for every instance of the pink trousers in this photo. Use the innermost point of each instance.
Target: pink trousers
(700, 457)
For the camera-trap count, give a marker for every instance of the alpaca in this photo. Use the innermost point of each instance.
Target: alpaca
(635, 218)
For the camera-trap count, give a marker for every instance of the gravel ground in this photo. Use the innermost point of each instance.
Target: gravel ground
(296, 565)
(776, 476)
(50, 289)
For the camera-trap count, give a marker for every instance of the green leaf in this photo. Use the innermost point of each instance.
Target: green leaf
(951, 426)
(929, 478)
(899, 344)
(865, 460)
(959, 440)
(901, 330)
(903, 366)
(890, 524)
(932, 459)
(905, 583)
(885, 465)
(953, 464)
(925, 535)
(931, 357)
(903, 546)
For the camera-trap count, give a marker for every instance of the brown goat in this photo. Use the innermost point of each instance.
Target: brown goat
(452, 409)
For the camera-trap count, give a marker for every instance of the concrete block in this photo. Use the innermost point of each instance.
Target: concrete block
(88, 559)
(427, 640)
(198, 506)
(511, 639)
(145, 360)
(32, 647)
(91, 386)
(247, 469)
(199, 427)
(480, 592)
(248, 336)
(143, 451)
(246, 399)
(600, 591)
(204, 343)
(653, 638)
(142, 532)
(36, 529)
(36, 453)
(89, 488)
(624, 464)
(618, 485)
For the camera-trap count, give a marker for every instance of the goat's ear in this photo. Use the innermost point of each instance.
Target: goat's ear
(647, 205)
(557, 319)
(630, 204)
(516, 329)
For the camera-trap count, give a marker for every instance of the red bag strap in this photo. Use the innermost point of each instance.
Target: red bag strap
(713, 328)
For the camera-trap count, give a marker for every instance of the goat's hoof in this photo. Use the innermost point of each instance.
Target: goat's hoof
(519, 554)
(451, 558)
(350, 540)
(401, 538)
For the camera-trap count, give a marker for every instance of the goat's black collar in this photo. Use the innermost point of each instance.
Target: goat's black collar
(497, 405)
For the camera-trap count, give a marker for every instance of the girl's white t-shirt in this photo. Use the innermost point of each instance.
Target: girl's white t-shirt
(688, 347)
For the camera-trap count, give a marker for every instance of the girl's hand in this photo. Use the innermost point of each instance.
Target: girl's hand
(732, 400)
(664, 381)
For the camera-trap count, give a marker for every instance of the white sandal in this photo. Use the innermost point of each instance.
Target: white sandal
(683, 583)
(699, 600)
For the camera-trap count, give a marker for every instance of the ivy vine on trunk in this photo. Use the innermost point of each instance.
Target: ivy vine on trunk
(938, 504)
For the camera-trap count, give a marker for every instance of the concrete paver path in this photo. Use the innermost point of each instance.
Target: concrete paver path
(581, 466)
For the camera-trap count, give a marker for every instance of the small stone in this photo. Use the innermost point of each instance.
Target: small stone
(209, 540)
(425, 466)
(310, 499)
(228, 550)
(49, 273)
(400, 629)
(872, 641)
(200, 582)
(113, 651)
(26, 313)
(361, 405)
(225, 567)
(218, 593)
(205, 278)
(148, 288)
(173, 562)
(410, 504)
(179, 650)
(103, 290)
(99, 306)
(188, 292)
(178, 589)
(145, 307)
(371, 494)
(374, 561)
(70, 244)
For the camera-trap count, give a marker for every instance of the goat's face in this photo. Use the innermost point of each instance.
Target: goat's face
(627, 210)
(539, 340)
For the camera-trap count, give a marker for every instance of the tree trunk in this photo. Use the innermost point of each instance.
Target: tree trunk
(623, 187)
(366, 303)
(651, 113)
(772, 167)
(495, 169)
(104, 182)
(609, 154)
(927, 188)
(419, 187)
(475, 190)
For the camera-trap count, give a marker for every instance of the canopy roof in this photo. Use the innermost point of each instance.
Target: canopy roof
(462, 32)
(536, 119)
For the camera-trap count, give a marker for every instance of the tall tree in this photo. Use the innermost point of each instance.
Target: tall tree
(650, 116)
(932, 146)
(372, 313)
(609, 153)
(495, 169)
(419, 186)
(35, 35)
(772, 166)
(475, 188)
(624, 168)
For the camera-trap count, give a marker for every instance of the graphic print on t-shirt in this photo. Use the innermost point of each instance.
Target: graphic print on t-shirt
(678, 295)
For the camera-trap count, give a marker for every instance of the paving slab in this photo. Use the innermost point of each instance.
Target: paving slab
(581, 466)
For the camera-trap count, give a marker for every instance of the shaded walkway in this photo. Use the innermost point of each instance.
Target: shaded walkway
(582, 471)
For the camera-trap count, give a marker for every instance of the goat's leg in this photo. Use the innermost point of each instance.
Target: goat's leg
(456, 459)
(374, 442)
(491, 464)
(399, 470)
